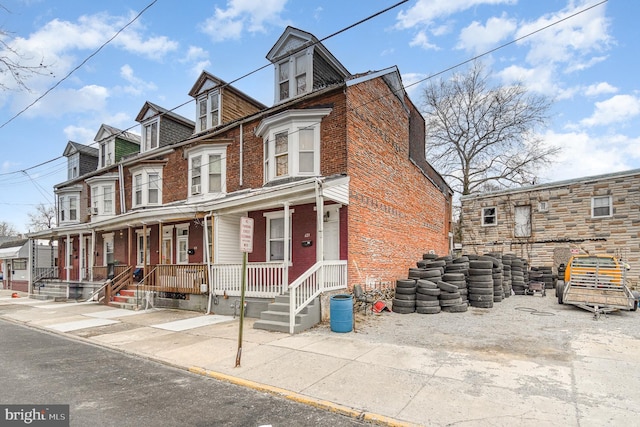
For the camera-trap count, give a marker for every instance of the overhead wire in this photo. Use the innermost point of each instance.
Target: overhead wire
(339, 32)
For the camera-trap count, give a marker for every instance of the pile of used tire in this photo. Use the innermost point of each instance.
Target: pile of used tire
(452, 284)
(542, 274)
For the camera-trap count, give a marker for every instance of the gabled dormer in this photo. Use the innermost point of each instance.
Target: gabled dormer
(113, 144)
(302, 65)
(218, 103)
(81, 159)
(161, 127)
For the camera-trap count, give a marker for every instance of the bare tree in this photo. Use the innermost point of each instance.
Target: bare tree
(484, 138)
(8, 230)
(17, 64)
(43, 218)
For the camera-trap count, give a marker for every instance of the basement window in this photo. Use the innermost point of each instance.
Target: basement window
(489, 216)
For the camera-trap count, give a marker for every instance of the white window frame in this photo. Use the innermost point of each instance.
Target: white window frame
(141, 183)
(73, 166)
(294, 74)
(182, 238)
(277, 215)
(291, 121)
(107, 243)
(99, 203)
(484, 216)
(522, 225)
(140, 248)
(203, 189)
(594, 207)
(167, 237)
(211, 115)
(64, 207)
(148, 141)
(107, 153)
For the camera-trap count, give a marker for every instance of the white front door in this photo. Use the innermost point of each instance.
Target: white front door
(331, 247)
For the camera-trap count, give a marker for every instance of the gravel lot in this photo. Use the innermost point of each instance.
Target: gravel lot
(526, 327)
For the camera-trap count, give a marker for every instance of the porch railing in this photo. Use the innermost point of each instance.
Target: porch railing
(264, 280)
(178, 278)
(321, 277)
(100, 273)
(42, 273)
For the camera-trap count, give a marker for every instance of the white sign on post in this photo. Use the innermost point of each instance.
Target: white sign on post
(246, 234)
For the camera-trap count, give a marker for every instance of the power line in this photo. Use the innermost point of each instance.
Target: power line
(79, 65)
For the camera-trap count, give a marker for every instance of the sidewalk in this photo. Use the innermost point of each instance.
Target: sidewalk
(384, 383)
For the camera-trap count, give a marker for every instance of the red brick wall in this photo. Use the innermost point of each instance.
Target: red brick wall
(395, 214)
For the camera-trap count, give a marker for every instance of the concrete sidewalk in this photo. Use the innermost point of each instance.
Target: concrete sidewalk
(380, 382)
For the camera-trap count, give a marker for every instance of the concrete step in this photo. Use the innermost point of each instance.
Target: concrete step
(276, 317)
(275, 326)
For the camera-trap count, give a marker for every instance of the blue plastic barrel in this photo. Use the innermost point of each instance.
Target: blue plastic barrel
(341, 313)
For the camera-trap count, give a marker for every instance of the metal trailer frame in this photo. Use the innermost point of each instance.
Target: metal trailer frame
(596, 288)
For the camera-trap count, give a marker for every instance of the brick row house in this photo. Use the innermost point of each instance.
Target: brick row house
(333, 176)
(547, 223)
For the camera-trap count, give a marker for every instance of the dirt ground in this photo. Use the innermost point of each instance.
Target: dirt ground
(521, 326)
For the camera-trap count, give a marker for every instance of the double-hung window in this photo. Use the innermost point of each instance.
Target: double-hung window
(208, 113)
(276, 239)
(207, 171)
(73, 164)
(601, 207)
(107, 153)
(68, 205)
(489, 216)
(293, 77)
(292, 143)
(150, 136)
(147, 186)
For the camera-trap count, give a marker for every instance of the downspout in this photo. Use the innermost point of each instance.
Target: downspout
(241, 152)
(208, 255)
(319, 221)
(123, 206)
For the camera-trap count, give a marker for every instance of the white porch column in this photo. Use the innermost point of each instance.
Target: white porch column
(319, 223)
(92, 257)
(81, 258)
(67, 258)
(287, 255)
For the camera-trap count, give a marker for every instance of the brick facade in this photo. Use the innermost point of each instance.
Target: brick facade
(565, 225)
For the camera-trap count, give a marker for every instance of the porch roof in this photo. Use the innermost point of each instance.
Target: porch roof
(11, 252)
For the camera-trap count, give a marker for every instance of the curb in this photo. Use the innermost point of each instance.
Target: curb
(310, 401)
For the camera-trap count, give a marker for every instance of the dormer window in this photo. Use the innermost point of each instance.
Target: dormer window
(73, 164)
(107, 153)
(150, 135)
(208, 111)
(293, 77)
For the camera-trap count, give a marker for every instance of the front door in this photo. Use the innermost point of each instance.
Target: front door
(331, 247)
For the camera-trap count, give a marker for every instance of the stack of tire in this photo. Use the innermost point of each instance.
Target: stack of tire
(404, 300)
(456, 272)
(450, 298)
(498, 279)
(547, 276)
(517, 276)
(427, 297)
(480, 282)
(506, 275)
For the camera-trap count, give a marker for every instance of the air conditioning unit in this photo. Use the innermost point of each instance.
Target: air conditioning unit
(94, 211)
(195, 189)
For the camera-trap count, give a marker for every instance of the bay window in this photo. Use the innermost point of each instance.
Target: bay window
(147, 186)
(207, 171)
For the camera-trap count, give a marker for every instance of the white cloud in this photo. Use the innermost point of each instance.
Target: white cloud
(586, 155)
(540, 79)
(478, 38)
(571, 41)
(63, 101)
(138, 86)
(422, 40)
(424, 12)
(80, 134)
(412, 83)
(618, 109)
(599, 89)
(198, 58)
(243, 15)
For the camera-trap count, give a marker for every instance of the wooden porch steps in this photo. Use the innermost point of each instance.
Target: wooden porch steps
(276, 317)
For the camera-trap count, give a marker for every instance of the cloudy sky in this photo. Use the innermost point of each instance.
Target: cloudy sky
(587, 63)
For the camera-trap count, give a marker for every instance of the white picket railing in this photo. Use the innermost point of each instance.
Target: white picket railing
(264, 280)
(321, 277)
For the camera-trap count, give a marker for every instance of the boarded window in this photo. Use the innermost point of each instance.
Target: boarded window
(522, 221)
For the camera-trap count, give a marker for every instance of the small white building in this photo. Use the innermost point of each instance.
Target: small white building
(22, 262)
